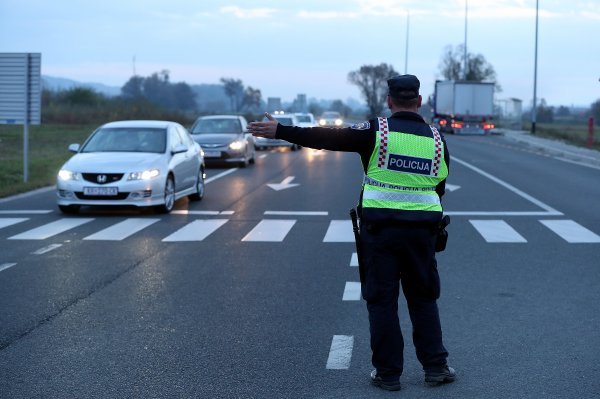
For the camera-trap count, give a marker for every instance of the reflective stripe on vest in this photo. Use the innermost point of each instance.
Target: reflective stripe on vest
(401, 197)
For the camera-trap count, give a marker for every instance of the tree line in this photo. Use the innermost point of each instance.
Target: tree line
(156, 97)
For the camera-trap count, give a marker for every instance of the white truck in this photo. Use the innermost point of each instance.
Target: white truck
(463, 107)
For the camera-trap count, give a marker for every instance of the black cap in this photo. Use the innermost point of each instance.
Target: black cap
(405, 87)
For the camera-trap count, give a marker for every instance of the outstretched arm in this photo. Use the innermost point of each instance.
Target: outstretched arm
(266, 128)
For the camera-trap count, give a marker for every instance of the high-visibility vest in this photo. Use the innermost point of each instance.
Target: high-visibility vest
(403, 172)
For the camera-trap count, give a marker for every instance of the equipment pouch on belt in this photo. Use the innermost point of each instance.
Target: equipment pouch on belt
(442, 234)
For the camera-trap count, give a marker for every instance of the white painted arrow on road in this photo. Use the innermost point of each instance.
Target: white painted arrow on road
(451, 187)
(286, 183)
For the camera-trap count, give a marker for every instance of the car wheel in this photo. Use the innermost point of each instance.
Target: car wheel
(253, 157)
(169, 196)
(200, 187)
(293, 147)
(69, 209)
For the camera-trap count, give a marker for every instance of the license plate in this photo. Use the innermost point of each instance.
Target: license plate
(212, 154)
(100, 190)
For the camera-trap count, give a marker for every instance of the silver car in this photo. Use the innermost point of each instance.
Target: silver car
(139, 163)
(285, 120)
(225, 139)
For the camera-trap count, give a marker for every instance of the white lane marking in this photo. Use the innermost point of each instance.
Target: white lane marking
(571, 231)
(197, 230)
(296, 213)
(340, 353)
(508, 213)
(285, 183)
(5, 266)
(351, 291)
(497, 231)
(5, 222)
(587, 165)
(354, 260)
(49, 248)
(262, 156)
(122, 229)
(215, 177)
(339, 231)
(209, 213)
(547, 208)
(270, 230)
(51, 229)
(26, 211)
(451, 187)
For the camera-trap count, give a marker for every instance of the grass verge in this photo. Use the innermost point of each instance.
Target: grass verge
(47, 152)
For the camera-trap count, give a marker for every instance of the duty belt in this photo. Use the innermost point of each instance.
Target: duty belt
(372, 182)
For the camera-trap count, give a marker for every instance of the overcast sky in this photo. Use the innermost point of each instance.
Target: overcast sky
(288, 47)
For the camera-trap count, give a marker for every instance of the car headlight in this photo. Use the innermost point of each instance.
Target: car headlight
(322, 122)
(338, 122)
(236, 145)
(67, 175)
(144, 175)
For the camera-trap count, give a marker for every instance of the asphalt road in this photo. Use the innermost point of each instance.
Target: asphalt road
(251, 293)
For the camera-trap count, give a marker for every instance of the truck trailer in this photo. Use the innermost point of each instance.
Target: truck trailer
(462, 107)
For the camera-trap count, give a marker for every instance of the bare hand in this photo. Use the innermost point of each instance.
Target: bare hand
(264, 129)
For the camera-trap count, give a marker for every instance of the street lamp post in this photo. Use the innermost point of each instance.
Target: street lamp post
(534, 110)
(406, 47)
(465, 59)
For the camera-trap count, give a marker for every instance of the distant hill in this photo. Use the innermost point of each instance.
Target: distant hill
(57, 84)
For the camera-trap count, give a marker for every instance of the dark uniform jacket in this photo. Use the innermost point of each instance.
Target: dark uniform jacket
(360, 138)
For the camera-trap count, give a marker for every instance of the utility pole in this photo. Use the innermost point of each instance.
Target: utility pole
(466, 64)
(534, 109)
(406, 47)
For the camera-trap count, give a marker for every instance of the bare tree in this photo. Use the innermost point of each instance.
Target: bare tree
(234, 89)
(478, 69)
(252, 98)
(372, 82)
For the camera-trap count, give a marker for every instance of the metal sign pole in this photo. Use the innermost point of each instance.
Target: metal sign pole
(26, 121)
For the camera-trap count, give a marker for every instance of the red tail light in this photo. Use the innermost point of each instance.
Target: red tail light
(488, 126)
(456, 125)
(443, 122)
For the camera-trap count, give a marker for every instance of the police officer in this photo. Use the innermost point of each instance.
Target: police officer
(406, 163)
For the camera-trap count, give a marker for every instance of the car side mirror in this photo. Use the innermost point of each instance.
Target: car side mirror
(179, 148)
(74, 147)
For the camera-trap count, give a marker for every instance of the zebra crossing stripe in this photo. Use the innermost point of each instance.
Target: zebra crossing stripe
(354, 260)
(339, 231)
(351, 291)
(5, 222)
(571, 231)
(340, 353)
(51, 229)
(270, 230)
(122, 230)
(5, 266)
(197, 230)
(497, 231)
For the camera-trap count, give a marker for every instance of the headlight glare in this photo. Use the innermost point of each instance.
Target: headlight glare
(338, 122)
(144, 175)
(66, 175)
(236, 145)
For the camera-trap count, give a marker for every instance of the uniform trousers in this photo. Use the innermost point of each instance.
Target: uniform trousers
(401, 254)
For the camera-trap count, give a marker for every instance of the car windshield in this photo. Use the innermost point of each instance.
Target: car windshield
(129, 139)
(303, 118)
(285, 120)
(226, 125)
(331, 115)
